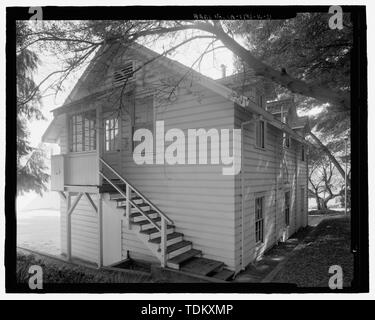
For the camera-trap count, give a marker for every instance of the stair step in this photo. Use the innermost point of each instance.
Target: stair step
(120, 198)
(169, 237)
(138, 214)
(145, 221)
(142, 206)
(178, 245)
(178, 248)
(201, 266)
(154, 230)
(224, 274)
(175, 262)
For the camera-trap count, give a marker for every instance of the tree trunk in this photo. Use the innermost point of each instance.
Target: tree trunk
(318, 203)
(323, 205)
(331, 157)
(320, 93)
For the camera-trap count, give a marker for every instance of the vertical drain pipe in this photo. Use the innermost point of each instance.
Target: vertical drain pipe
(243, 192)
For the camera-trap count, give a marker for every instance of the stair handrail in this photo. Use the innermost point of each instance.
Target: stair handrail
(136, 191)
(131, 202)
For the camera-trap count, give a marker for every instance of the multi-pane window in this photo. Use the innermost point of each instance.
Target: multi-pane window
(83, 131)
(111, 134)
(259, 220)
(287, 208)
(259, 135)
(303, 153)
(144, 115)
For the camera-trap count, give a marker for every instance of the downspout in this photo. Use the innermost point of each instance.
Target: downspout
(277, 171)
(243, 192)
(307, 151)
(296, 188)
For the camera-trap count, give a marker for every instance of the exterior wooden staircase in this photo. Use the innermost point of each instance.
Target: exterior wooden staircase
(158, 232)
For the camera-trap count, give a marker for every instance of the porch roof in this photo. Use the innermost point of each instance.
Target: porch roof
(51, 135)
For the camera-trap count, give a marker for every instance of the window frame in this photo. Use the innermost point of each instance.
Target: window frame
(78, 141)
(259, 219)
(112, 141)
(260, 136)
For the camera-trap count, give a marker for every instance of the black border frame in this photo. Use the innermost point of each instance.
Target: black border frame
(359, 193)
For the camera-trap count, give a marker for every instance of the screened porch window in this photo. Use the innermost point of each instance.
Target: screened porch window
(111, 134)
(83, 132)
(259, 221)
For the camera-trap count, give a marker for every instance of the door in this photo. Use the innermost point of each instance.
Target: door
(112, 141)
(57, 172)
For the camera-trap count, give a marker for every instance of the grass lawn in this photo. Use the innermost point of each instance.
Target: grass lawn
(327, 245)
(55, 271)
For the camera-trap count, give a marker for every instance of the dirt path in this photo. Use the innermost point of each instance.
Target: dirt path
(289, 261)
(327, 245)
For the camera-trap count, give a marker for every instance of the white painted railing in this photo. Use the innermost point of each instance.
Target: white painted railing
(76, 169)
(164, 220)
(80, 168)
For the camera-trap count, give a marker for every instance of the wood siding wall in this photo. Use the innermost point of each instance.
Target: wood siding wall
(263, 176)
(204, 204)
(84, 230)
(198, 198)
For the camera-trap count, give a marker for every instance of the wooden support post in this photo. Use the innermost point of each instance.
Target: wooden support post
(163, 242)
(128, 208)
(99, 141)
(73, 206)
(69, 209)
(62, 195)
(100, 228)
(91, 202)
(68, 227)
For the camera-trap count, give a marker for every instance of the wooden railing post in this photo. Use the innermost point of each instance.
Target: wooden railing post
(163, 242)
(99, 140)
(100, 225)
(68, 227)
(128, 208)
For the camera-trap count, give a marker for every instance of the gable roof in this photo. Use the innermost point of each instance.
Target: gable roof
(204, 81)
